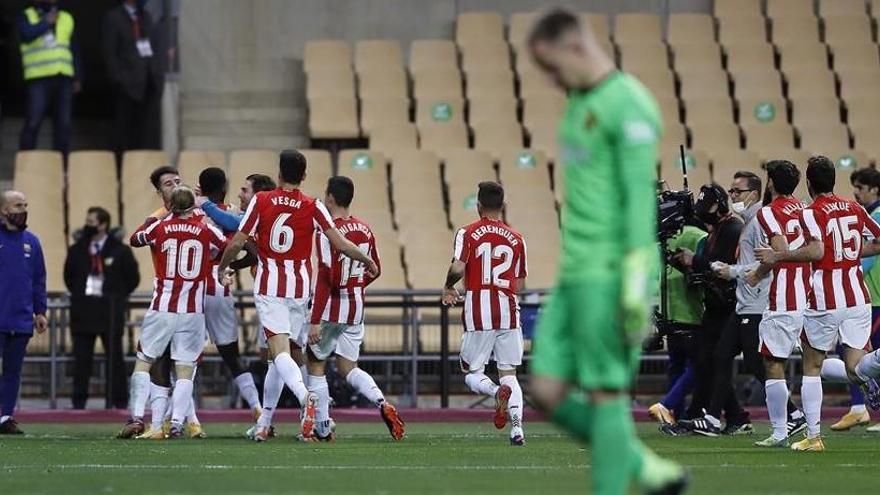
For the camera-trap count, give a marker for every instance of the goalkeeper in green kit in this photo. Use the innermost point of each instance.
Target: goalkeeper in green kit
(589, 335)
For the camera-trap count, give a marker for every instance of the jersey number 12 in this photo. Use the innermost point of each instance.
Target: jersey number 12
(492, 274)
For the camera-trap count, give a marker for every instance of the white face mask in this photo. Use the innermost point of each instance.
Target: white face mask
(739, 208)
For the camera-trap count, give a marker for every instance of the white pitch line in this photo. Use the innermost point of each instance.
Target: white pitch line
(223, 467)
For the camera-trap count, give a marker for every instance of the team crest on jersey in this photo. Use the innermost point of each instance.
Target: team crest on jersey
(590, 121)
(27, 250)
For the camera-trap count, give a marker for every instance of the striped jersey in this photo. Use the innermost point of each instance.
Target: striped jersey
(283, 224)
(790, 283)
(214, 287)
(841, 225)
(339, 291)
(183, 252)
(495, 257)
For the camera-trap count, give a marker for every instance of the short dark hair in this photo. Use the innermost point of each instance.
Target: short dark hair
(785, 176)
(101, 214)
(821, 174)
(342, 190)
(491, 195)
(552, 25)
(260, 182)
(752, 180)
(212, 181)
(157, 174)
(292, 166)
(868, 176)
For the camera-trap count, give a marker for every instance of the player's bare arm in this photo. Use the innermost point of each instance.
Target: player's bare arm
(777, 243)
(811, 251)
(232, 249)
(249, 259)
(450, 294)
(346, 247)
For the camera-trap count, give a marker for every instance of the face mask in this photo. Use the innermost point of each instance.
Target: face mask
(17, 220)
(708, 218)
(738, 207)
(89, 231)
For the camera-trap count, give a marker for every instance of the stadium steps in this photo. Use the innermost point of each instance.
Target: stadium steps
(88, 134)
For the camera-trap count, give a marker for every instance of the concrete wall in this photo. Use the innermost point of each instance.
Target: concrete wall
(254, 45)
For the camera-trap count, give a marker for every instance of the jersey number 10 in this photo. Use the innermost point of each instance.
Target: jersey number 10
(182, 258)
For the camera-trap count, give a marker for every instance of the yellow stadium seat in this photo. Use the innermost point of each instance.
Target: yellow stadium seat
(379, 111)
(859, 83)
(377, 54)
(810, 84)
(520, 26)
(439, 110)
(867, 139)
(85, 171)
(427, 253)
(796, 156)
(702, 83)
(439, 137)
(524, 169)
(690, 28)
(806, 111)
(319, 168)
(330, 83)
(490, 83)
(369, 170)
(643, 56)
(542, 109)
(705, 54)
(862, 111)
(394, 136)
(854, 56)
(190, 164)
(497, 136)
(749, 55)
(442, 83)
(789, 8)
(758, 83)
(432, 55)
(139, 200)
(841, 7)
(545, 138)
(728, 161)
(660, 81)
(669, 109)
(637, 28)
(698, 170)
(673, 136)
(462, 171)
(762, 111)
(326, 54)
(385, 83)
(843, 29)
(795, 29)
(243, 163)
(767, 137)
(598, 23)
(333, 118)
(533, 83)
(708, 111)
(803, 57)
(741, 28)
(733, 8)
(478, 27)
(486, 56)
(492, 109)
(846, 162)
(715, 135)
(416, 186)
(820, 136)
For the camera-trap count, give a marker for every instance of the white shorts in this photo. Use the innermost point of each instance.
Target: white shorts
(282, 315)
(341, 339)
(779, 333)
(852, 326)
(505, 347)
(184, 331)
(300, 338)
(221, 320)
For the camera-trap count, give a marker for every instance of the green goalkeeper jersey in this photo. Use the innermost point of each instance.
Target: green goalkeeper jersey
(608, 144)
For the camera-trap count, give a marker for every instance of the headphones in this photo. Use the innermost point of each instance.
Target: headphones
(713, 194)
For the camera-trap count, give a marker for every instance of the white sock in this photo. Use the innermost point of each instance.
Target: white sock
(248, 389)
(139, 393)
(869, 366)
(834, 371)
(777, 407)
(858, 409)
(191, 413)
(361, 381)
(158, 404)
(304, 371)
(480, 384)
(811, 397)
(272, 388)
(182, 400)
(318, 386)
(289, 371)
(515, 404)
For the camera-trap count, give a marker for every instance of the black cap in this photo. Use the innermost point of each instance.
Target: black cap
(711, 194)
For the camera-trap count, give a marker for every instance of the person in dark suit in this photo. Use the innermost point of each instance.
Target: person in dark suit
(134, 57)
(100, 272)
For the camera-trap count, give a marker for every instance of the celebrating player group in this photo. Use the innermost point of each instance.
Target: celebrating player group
(196, 241)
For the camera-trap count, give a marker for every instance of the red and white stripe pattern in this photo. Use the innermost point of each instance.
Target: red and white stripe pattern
(283, 278)
(213, 287)
(839, 288)
(178, 296)
(490, 309)
(790, 285)
(345, 306)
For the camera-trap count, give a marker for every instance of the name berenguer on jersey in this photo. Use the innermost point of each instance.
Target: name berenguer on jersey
(494, 229)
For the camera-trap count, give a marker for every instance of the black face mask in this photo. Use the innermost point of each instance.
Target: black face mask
(89, 231)
(708, 218)
(17, 220)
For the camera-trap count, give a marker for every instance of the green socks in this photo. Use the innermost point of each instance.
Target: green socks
(617, 452)
(575, 414)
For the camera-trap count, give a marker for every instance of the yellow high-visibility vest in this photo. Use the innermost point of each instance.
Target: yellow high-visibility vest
(48, 55)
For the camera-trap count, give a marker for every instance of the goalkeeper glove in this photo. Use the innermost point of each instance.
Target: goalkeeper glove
(635, 310)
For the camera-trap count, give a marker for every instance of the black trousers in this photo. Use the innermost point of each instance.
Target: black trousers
(137, 124)
(83, 359)
(705, 342)
(739, 335)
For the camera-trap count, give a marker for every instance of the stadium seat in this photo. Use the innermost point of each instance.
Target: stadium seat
(545, 138)
(690, 28)
(708, 111)
(492, 109)
(190, 164)
(669, 109)
(427, 252)
(698, 169)
(789, 8)
(333, 118)
(841, 7)
(490, 83)
(661, 81)
(637, 28)
(416, 186)
(763, 139)
(478, 27)
(728, 161)
(867, 139)
(497, 136)
(762, 111)
(384, 82)
(139, 200)
(439, 110)
(520, 25)
(439, 83)
(438, 137)
(715, 135)
(756, 84)
(369, 171)
(330, 83)
(795, 29)
(542, 109)
(40, 176)
(702, 83)
(859, 83)
(805, 111)
(392, 278)
(379, 111)
(432, 55)
(643, 56)
(803, 56)
(534, 83)
(243, 163)
(742, 28)
(319, 169)
(388, 137)
(690, 56)
(524, 170)
(810, 84)
(462, 171)
(599, 24)
(673, 136)
(746, 55)
(843, 29)
(862, 111)
(724, 9)
(821, 135)
(326, 54)
(87, 169)
(846, 162)
(377, 55)
(486, 56)
(854, 56)
(796, 156)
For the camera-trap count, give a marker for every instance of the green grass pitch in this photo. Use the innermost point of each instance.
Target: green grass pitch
(434, 458)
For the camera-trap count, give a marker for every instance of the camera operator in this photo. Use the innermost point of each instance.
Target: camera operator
(740, 334)
(719, 297)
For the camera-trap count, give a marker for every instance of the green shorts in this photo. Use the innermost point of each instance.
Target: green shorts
(578, 339)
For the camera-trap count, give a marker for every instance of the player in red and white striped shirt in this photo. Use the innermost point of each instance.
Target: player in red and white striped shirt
(491, 257)
(780, 328)
(840, 306)
(283, 223)
(183, 247)
(338, 312)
